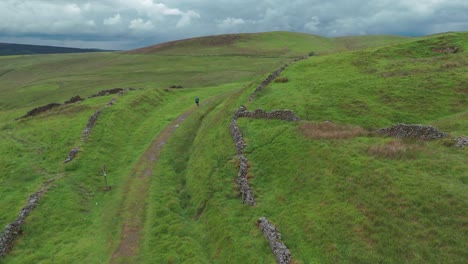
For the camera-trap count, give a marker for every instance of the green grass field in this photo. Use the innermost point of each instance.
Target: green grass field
(348, 196)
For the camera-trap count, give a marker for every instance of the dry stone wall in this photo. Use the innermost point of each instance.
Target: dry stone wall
(72, 154)
(45, 108)
(271, 77)
(281, 252)
(87, 131)
(287, 115)
(13, 230)
(91, 121)
(242, 181)
(412, 131)
(40, 109)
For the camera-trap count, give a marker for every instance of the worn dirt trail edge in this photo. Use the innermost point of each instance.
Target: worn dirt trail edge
(136, 193)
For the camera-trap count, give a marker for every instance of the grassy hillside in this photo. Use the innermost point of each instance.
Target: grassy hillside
(25, 79)
(8, 49)
(287, 44)
(338, 194)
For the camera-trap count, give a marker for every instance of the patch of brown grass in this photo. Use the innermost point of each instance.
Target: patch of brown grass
(329, 130)
(394, 149)
(281, 80)
(450, 64)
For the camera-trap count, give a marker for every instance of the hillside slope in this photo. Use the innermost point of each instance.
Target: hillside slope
(288, 44)
(337, 191)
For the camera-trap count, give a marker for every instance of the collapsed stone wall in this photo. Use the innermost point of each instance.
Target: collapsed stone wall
(461, 141)
(47, 107)
(446, 50)
(281, 252)
(91, 121)
(14, 229)
(72, 154)
(412, 131)
(119, 91)
(74, 99)
(39, 110)
(107, 92)
(87, 131)
(271, 77)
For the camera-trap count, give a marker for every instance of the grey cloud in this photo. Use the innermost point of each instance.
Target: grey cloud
(138, 23)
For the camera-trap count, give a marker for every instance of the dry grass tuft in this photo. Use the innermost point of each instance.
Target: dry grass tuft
(281, 80)
(394, 149)
(329, 130)
(451, 64)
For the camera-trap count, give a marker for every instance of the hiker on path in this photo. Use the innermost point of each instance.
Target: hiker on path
(197, 101)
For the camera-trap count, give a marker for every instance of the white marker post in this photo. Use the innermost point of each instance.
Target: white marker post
(105, 177)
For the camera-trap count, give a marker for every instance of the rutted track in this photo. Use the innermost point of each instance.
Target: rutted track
(136, 193)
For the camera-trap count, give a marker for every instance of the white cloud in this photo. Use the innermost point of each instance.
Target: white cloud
(141, 25)
(114, 20)
(186, 19)
(231, 21)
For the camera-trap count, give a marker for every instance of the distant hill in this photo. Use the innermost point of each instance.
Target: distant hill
(278, 43)
(22, 49)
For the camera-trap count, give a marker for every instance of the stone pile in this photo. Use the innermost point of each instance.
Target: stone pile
(461, 141)
(412, 131)
(281, 252)
(13, 230)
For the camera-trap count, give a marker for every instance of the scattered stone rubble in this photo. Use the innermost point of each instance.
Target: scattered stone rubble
(447, 50)
(412, 131)
(461, 141)
(271, 77)
(13, 230)
(281, 252)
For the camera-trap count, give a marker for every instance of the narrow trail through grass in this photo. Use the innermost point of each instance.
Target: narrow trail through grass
(137, 190)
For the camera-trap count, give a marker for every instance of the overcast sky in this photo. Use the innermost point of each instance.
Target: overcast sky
(128, 24)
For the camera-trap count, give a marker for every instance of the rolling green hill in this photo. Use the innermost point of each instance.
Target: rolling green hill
(337, 191)
(286, 44)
